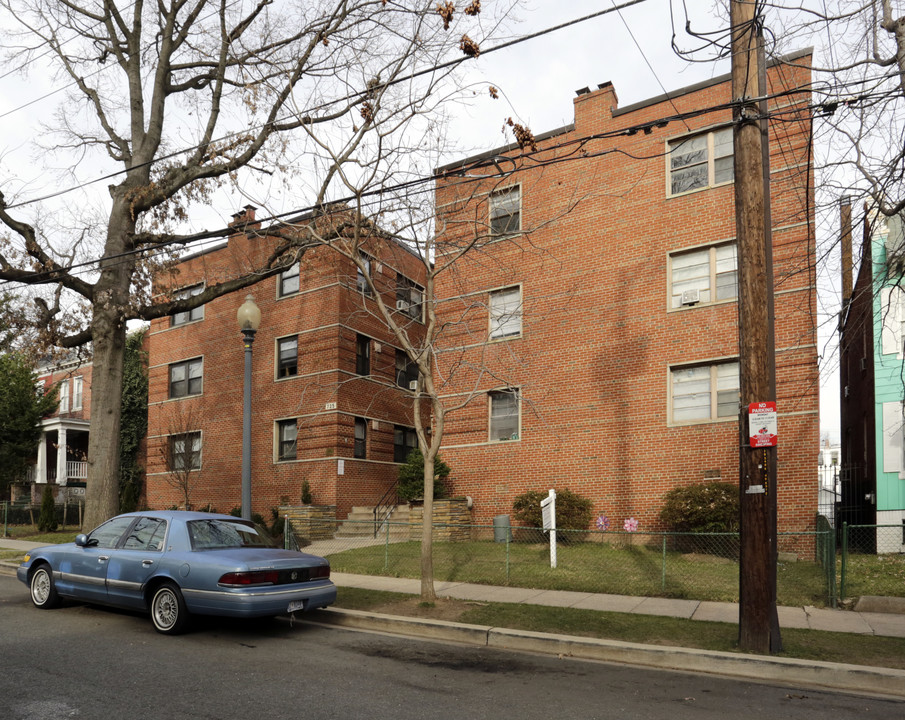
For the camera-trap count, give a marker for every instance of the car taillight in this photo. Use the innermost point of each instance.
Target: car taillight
(322, 571)
(255, 577)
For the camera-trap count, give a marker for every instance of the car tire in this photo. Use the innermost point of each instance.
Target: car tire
(168, 612)
(43, 593)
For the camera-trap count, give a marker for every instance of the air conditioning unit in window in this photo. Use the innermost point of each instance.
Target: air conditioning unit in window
(403, 305)
(691, 297)
(413, 385)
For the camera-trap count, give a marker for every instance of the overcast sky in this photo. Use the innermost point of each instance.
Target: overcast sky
(537, 80)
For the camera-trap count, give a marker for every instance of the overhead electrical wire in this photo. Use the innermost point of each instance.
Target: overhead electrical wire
(346, 98)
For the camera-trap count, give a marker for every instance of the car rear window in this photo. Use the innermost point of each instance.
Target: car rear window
(219, 534)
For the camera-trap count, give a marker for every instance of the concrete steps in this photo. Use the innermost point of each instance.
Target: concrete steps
(360, 523)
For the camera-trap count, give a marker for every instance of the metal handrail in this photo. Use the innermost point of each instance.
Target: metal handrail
(385, 507)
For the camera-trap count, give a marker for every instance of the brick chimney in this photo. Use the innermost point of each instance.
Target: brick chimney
(594, 109)
(243, 218)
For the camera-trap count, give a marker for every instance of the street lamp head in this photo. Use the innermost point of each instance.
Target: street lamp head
(249, 315)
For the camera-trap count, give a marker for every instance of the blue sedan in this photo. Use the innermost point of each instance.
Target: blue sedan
(176, 564)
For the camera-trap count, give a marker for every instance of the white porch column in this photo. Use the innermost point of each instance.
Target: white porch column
(61, 456)
(41, 465)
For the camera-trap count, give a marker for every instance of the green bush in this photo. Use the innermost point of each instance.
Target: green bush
(47, 520)
(411, 477)
(701, 508)
(573, 513)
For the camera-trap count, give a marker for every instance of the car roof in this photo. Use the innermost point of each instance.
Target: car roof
(185, 515)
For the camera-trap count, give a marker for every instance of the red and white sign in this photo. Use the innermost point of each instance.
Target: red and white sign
(762, 424)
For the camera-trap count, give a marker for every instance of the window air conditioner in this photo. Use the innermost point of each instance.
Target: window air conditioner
(413, 385)
(691, 297)
(403, 305)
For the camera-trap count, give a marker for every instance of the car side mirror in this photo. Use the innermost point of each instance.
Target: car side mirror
(81, 540)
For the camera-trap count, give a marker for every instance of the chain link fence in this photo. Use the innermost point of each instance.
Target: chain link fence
(696, 566)
(872, 560)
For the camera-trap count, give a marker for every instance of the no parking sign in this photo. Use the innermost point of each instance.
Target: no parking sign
(762, 425)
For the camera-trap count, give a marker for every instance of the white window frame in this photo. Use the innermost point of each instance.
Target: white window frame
(505, 313)
(185, 317)
(278, 425)
(78, 387)
(63, 397)
(499, 205)
(361, 280)
(892, 321)
(188, 364)
(498, 395)
(682, 149)
(721, 260)
(718, 380)
(194, 454)
(292, 272)
(894, 438)
(278, 357)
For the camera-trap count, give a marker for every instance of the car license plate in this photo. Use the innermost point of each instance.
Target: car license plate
(296, 605)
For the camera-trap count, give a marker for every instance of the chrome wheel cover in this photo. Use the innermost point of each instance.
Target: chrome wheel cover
(40, 587)
(166, 609)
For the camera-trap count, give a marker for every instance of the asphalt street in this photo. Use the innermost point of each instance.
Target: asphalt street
(85, 662)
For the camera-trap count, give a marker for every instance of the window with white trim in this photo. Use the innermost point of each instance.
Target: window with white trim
(505, 209)
(187, 316)
(77, 392)
(506, 313)
(287, 439)
(64, 396)
(185, 451)
(703, 276)
(892, 321)
(406, 370)
(409, 297)
(704, 392)
(288, 283)
(186, 378)
(700, 161)
(288, 356)
(504, 415)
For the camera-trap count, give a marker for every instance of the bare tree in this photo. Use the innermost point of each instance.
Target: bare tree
(180, 451)
(183, 95)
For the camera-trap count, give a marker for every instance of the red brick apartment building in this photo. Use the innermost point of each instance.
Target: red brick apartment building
(63, 448)
(593, 333)
(330, 393)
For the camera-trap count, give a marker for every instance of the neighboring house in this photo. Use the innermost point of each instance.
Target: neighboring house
(331, 399)
(593, 339)
(872, 377)
(62, 458)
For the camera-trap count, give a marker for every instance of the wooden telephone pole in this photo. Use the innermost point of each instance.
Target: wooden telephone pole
(758, 620)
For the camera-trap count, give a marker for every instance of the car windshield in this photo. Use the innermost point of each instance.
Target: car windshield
(218, 534)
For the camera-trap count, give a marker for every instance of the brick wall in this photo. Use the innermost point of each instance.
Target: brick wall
(598, 339)
(325, 396)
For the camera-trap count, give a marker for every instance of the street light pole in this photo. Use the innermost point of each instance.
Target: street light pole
(249, 319)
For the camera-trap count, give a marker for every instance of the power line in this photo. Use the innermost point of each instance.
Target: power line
(347, 98)
(462, 172)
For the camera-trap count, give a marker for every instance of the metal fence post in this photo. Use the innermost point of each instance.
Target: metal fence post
(285, 532)
(663, 579)
(5, 519)
(507, 558)
(844, 560)
(386, 547)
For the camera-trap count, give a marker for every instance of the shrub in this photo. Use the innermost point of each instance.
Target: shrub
(573, 513)
(47, 520)
(306, 493)
(411, 477)
(701, 508)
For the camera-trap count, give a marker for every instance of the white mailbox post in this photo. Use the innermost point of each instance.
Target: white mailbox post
(548, 511)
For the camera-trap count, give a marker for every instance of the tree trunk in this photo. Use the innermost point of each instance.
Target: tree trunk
(111, 296)
(428, 594)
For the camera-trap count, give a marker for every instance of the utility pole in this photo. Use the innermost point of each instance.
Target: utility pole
(758, 620)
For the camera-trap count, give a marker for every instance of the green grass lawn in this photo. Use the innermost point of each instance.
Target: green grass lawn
(646, 629)
(585, 567)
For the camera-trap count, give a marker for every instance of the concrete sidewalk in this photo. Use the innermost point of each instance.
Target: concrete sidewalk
(865, 620)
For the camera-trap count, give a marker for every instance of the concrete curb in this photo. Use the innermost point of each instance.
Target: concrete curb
(836, 677)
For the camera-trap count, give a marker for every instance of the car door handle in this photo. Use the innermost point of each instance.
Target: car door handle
(147, 563)
(103, 558)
